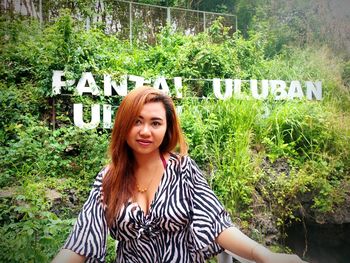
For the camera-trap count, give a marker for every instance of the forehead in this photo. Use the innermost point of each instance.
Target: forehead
(153, 109)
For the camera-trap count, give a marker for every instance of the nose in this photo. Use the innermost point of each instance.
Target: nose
(145, 131)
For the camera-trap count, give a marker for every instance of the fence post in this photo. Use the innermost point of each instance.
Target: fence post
(87, 23)
(223, 257)
(228, 256)
(168, 16)
(130, 23)
(41, 13)
(204, 22)
(236, 22)
(53, 114)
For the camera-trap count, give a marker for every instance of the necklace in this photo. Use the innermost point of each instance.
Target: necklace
(144, 189)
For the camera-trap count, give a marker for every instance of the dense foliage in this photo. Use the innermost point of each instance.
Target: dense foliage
(282, 159)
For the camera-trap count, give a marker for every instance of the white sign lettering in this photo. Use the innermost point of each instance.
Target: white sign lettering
(277, 89)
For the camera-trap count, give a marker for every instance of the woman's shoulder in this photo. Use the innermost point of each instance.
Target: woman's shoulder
(185, 163)
(100, 175)
(183, 159)
(103, 171)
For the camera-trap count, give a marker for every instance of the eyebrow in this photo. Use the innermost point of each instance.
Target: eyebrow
(153, 119)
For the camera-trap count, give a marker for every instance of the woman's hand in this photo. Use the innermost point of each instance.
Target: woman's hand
(233, 240)
(261, 254)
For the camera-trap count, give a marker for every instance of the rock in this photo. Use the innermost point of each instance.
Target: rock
(53, 195)
(263, 222)
(7, 192)
(339, 215)
(277, 167)
(72, 197)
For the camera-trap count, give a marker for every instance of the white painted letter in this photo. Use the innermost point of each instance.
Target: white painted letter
(217, 89)
(278, 86)
(295, 90)
(237, 89)
(108, 84)
(160, 83)
(179, 109)
(312, 90)
(178, 87)
(264, 88)
(107, 116)
(78, 116)
(57, 82)
(138, 80)
(91, 88)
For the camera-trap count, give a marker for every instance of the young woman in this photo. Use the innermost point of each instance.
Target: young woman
(155, 203)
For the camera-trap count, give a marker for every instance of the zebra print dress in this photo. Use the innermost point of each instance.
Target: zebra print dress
(183, 221)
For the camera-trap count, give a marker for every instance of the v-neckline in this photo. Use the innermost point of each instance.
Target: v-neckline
(155, 196)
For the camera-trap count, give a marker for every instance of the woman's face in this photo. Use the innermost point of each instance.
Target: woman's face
(148, 130)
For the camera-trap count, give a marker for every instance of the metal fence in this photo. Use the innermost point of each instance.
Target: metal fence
(139, 23)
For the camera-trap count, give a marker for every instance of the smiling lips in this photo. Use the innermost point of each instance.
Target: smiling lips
(144, 142)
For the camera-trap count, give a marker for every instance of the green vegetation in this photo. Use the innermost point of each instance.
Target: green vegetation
(283, 159)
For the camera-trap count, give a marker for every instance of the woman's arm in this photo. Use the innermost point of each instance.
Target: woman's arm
(68, 256)
(232, 239)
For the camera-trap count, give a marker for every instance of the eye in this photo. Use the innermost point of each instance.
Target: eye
(156, 124)
(138, 122)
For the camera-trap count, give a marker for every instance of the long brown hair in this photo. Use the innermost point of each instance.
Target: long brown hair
(118, 183)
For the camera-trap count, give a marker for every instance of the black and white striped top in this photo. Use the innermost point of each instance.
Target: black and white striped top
(184, 219)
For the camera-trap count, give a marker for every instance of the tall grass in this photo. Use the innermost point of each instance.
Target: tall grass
(220, 135)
